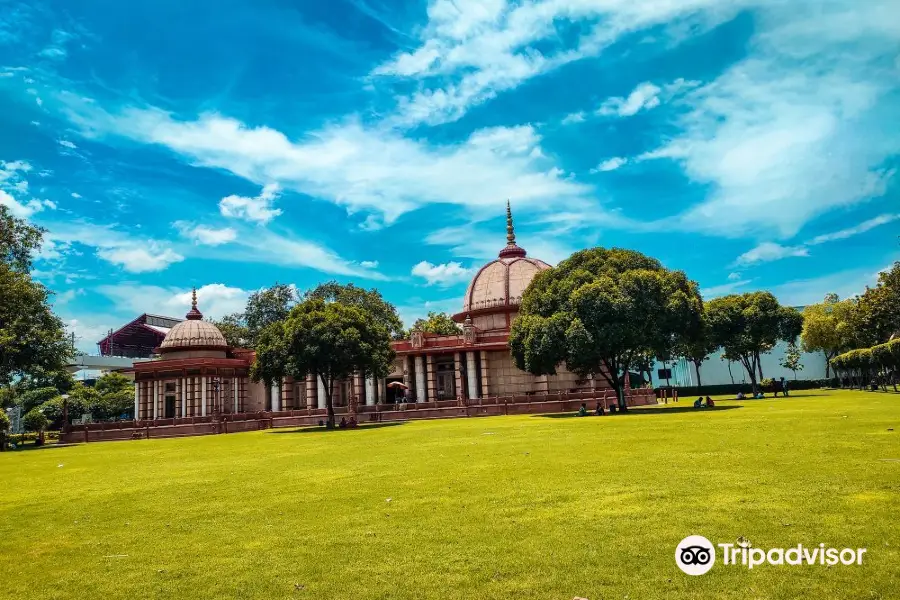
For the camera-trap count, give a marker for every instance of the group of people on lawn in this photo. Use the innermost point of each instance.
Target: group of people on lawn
(700, 402)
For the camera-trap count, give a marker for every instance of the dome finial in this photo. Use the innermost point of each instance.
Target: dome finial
(510, 232)
(511, 250)
(194, 314)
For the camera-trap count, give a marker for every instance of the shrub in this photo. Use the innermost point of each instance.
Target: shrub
(4, 422)
(35, 420)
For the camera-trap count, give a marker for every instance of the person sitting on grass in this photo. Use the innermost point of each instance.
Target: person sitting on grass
(582, 412)
(740, 396)
(698, 403)
(599, 410)
(709, 402)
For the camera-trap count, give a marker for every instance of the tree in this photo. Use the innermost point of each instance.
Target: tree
(792, 359)
(4, 429)
(19, 241)
(831, 327)
(880, 306)
(698, 347)
(439, 323)
(116, 397)
(266, 307)
(34, 420)
(32, 338)
(369, 301)
(748, 325)
(34, 398)
(599, 311)
(234, 329)
(328, 339)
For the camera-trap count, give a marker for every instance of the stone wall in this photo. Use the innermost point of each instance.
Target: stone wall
(505, 379)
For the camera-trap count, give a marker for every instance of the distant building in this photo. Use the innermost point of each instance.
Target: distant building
(139, 338)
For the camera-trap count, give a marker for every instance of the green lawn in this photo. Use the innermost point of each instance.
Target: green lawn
(501, 507)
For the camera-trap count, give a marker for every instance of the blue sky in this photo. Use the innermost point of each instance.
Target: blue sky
(228, 145)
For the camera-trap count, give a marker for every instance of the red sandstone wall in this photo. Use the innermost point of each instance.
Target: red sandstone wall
(510, 405)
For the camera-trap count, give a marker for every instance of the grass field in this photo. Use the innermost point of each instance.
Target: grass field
(502, 507)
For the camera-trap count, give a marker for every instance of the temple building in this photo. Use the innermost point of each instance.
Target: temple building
(199, 385)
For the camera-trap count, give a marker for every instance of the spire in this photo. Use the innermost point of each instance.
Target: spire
(194, 314)
(510, 232)
(511, 250)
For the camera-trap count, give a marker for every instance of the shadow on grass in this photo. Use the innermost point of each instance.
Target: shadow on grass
(319, 429)
(30, 446)
(655, 410)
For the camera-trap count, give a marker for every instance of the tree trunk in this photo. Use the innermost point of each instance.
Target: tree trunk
(759, 366)
(699, 382)
(329, 402)
(827, 365)
(749, 363)
(730, 374)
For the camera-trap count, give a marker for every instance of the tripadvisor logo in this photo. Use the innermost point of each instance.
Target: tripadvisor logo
(696, 555)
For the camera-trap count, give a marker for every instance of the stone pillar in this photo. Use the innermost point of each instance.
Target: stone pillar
(457, 374)
(471, 375)
(183, 382)
(370, 391)
(288, 402)
(235, 386)
(137, 400)
(310, 391)
(276, 396)
(155, 399)
(421, 395)
(484, 375)
(320, 392)
(431, 377)
(203, 381)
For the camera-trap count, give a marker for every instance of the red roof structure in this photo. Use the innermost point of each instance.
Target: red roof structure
(139, 338)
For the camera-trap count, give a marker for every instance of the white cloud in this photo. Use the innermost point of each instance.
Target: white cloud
(442, 274)
(205, 235)
(856, 230)
(369, 264)
(140, 258)
(258, 209)
(67, 144)
(214, 300)
(472, 50)
(644, 97)
(90, 331)
(576, 117)
(361, 168)
(24, 210)
(734, 277)
(610, 164)
(67, 296)
(770, 251)
(76, 195)
(134, 255)
(801, 126)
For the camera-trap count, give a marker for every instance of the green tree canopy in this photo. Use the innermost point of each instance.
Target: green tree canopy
(697, 347)
(437, 322)
(792, 359)
(266, 307)
(599, 311)
(35, 420)
(880, 306)
(329, 339)
(831, 327)
(32, 338)
(19, 241)
(370, 301)
(234, 329)
(748, 325)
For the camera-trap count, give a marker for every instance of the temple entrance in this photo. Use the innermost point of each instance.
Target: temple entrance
(170, 407)
(446, 380)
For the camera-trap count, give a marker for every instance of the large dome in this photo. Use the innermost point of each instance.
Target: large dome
(193, 333)
(501, 283)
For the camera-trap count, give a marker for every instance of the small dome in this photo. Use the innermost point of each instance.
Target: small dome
(501, 282)
(193, 333)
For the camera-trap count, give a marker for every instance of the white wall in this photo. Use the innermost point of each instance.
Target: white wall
(715, 370)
